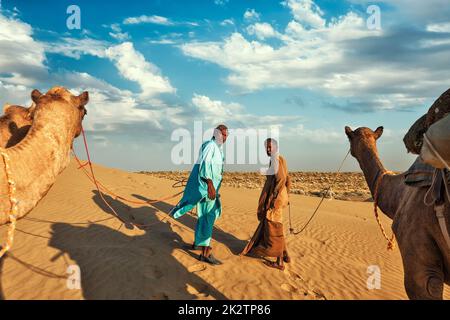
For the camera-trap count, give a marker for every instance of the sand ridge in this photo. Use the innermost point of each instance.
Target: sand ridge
(117, 261)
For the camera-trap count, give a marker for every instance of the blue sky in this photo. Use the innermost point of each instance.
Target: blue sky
(306, 67)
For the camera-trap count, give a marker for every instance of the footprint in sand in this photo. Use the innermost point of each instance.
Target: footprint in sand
(289, 288)
(198, 290)
(197, 268)
(295, 276)
(319, 295)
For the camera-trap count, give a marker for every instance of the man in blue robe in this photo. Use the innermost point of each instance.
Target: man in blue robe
(202, 191)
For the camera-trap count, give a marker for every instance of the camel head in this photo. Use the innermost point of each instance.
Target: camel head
(61, 99)
(363, 138)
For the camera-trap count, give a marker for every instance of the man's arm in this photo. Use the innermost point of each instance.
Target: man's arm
(211, 189)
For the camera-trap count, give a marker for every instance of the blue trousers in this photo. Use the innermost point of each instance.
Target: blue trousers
(207, 211)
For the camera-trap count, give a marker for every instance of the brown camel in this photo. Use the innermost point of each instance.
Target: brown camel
(425, 255)
(44, 153)
(14, 124)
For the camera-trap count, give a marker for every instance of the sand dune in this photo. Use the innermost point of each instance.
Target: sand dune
(330, 259)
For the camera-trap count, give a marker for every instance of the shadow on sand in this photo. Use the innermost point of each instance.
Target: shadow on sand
(234, 244)
(118, 266)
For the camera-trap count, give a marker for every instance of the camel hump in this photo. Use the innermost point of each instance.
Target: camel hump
(6, 107)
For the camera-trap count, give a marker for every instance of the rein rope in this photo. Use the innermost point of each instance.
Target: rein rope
(391, 240)
(327, 192)
(103, 190)
(13, 201)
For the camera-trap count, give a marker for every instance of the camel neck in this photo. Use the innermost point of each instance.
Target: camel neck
(373, 170)
(371, 166)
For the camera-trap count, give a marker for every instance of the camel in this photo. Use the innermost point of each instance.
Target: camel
(14, 124)
(44, 153)
(425, 255)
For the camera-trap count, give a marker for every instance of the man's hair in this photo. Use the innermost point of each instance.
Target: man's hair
(272, 141)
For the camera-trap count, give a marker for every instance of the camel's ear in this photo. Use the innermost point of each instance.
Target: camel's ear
(83, 98)
(6, 107)
(349, 132)
(378, 132)
(35, 95)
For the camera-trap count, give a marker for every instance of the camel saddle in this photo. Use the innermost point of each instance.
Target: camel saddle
(422, 175)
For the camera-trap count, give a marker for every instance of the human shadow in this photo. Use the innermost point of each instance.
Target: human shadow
(114, 265)
(234, 244)
(127, 214)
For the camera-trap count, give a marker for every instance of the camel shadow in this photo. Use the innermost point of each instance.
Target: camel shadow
(114, 265)
(234, 244)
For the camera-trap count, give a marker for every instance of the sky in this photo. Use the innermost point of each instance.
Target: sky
(306, 68)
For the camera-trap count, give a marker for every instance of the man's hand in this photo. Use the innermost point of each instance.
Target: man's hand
(211, 190)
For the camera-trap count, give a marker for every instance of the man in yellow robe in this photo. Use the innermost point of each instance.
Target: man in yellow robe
(269, 240)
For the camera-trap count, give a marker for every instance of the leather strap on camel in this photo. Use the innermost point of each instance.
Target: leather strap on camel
(391, 240)
(439, 209)
(13, 201)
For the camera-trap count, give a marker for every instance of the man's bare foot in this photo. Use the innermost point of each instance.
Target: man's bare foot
(274, 265)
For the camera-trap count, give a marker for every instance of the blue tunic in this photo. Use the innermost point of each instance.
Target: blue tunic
(209, 166)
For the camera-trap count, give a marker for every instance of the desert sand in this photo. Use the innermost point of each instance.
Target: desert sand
(72, 227)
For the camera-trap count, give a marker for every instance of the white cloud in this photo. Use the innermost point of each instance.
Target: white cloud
(133, 66)
(117, 33)
(262, 30)
(227, 22)
(216, 111)
(163, 41)
(439, 27)
(14, 94)
(22, 59)
(112, 109)
(251, 15)
(75, 48)
(306, 12)
(320, 136)
(340, 57)
(23, 67)
(154, 19)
